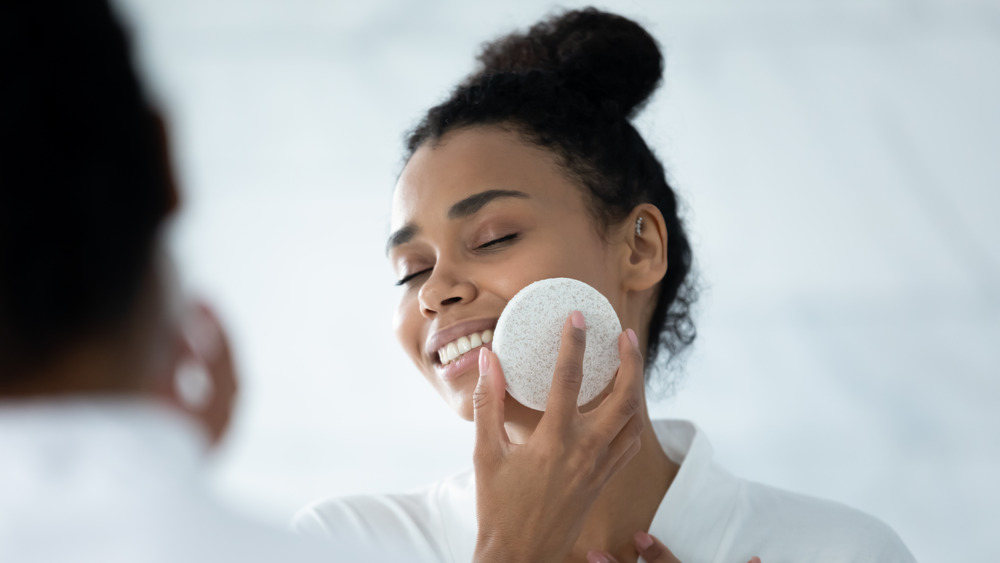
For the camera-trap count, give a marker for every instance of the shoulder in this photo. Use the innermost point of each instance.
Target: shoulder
(431, 523)
(712, 515)
(813, 528)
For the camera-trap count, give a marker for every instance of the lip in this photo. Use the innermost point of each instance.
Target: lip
(442, 337)
(468, 361)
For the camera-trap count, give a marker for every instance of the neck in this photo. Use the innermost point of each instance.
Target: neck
(627, 503)
(92, 366)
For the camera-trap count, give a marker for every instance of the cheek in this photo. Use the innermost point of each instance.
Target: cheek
(410, 326)
(555, 259)
(407, 324)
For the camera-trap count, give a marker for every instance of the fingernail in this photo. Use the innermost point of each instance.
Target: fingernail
(484, 362)
(632, 337)
(595, 557)
(643, 540)
(577, 319)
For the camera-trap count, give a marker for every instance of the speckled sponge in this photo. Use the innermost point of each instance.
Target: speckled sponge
(528, 334)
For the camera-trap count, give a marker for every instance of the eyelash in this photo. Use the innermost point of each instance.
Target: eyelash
(500, 240)
(405, 280)
(487, 245)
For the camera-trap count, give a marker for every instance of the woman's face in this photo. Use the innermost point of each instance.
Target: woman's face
(475, 218)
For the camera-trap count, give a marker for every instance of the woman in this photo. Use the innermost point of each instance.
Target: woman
(532, 170)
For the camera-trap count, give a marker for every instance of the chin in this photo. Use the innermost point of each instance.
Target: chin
(463, 406)
(459, 399)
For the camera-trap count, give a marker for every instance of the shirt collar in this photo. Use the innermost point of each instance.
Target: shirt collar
(694, 514)
(109, 443)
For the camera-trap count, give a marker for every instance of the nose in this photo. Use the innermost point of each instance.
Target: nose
(443, 289)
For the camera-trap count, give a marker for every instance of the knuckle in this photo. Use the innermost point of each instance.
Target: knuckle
(573, 342)
(572, 367)
(570, 372)
(640, 425)
(552, 457)
(630, 406)
(480, 397)
(652, 552)
(634, 450)
(589, 444)
(483, 457)
(577, 462)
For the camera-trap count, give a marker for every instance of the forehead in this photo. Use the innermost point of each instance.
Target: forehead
(468, 161)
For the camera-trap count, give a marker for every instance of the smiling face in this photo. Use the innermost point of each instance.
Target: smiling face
(476, 217)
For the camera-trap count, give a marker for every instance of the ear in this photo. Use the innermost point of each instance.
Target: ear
(645, 248)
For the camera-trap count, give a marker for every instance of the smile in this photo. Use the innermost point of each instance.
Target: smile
(462, 345)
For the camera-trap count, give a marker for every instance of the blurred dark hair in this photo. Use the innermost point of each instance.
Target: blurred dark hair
(83, 178)
(572, 84)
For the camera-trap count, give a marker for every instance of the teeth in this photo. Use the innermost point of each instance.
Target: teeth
(464, 344)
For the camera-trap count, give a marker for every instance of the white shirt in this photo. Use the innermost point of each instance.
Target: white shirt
(707, 515)
(115, 481)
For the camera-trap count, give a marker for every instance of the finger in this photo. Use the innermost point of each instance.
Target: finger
(569, 368)
(627, 394)
(600, 557)
(624, 447)
(612, 468)
(754, 559)
(487, 407)
(652, 550)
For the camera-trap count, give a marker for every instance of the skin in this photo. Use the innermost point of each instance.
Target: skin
(461, 268)
(140, 355)
(119, 360)
(567, 461)
(650, 548)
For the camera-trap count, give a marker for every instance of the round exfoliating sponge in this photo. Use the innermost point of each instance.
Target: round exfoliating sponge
(528, 333)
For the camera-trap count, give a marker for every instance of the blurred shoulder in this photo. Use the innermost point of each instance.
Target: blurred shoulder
(433, 523)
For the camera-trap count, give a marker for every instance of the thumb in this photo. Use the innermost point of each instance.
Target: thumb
(652, 550)
(487, 404)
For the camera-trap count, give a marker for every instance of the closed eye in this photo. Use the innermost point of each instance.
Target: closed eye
(410, 277)
(500, 240)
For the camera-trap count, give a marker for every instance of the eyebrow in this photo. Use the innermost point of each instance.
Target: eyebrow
(475, 202)
(464, 208)
(401, 236)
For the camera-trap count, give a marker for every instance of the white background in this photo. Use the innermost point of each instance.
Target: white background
(840, 165)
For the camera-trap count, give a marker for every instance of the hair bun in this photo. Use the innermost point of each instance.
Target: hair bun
(604, 56)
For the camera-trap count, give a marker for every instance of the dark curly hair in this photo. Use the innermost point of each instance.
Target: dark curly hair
(84, 184)
(571, 84)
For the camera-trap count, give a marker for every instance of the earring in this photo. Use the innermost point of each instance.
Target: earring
(638, 226)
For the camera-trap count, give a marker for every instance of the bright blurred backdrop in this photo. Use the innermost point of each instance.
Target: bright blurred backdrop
(841, 165)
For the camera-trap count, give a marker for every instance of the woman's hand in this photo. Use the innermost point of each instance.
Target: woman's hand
(532, 499)
(650, 549)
